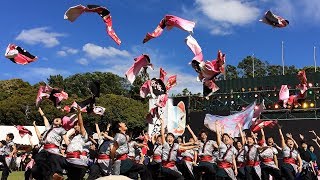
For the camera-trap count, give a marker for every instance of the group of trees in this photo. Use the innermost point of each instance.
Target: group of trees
(118, 96)
(244, 69)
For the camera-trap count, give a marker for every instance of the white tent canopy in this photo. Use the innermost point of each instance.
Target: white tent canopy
(4, 130)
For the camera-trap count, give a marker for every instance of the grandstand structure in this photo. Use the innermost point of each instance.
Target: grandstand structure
(236, 94)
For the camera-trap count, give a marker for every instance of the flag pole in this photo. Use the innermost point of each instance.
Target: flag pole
(314, 59)
(282, 58)
(252, 57)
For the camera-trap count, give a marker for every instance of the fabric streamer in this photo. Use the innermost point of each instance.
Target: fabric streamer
(170, 21)
(230, 122)
(274, 20)
(19, 55)
(140, 62)
(74, 12)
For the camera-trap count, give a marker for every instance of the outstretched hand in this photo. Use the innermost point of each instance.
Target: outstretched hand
(301, 136)
(289, 135)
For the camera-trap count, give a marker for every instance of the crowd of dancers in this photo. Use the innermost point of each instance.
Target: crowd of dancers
(249, 157)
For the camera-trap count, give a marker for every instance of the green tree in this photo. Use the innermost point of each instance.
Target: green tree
(56, 81)
(231, 72)
(245, 67)
(273, 70)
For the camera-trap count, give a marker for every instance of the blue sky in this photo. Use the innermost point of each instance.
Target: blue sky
(83, 46)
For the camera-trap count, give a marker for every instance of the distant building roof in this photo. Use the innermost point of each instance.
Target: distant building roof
(4, 130)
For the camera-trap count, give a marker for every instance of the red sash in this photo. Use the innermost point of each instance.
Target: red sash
(289, 160)
(224, 164)
(206, 158)
(252, 163)
(122, 157)
(50, 146)
(103, 156)
(84, 153)
(168, 164)
(186, 158)
(73, 155)
(156, 157)
(266, 160)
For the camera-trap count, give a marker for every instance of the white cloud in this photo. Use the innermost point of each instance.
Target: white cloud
(220, 16)
(65, 51)
(235, 12)
(70, 50)
(39, 35)
(83, 61)
(45, 72)
(94, 51)
(62, 53)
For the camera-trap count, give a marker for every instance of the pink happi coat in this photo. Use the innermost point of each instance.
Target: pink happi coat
(260, 124)
(61, 96)
(274, 20)
(23, 131)
(211, 69)
(74, 12)
(162, 74)
(140, 62)
(44, 91)
(145, 89)
(69, 122)
(195, 48)
(18, 55)
(170, 21)
(171, 82)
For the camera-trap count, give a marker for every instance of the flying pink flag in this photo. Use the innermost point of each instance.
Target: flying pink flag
(60, 96)
(274, 20)
(284, 93)
(74, 12)
(145, 89)
(170, 21)
(19, 55)
(23, 131)
(162, 74)
(69, 122)
(44, 91)
(195, 48)
(140, 62)
(260, 124)
(171, 82)
(230, 122)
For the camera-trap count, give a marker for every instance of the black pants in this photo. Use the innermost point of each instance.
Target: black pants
(241, 174)
(186, 172)
(209, 169)
(266, 171)
(171, 174)
(134, 167)
(76, 172)
(95, 172)
(27, 174)
(154, 169)
(288, 172)
(6, 170)
(48, 164)
(222, 174)
(250, 173)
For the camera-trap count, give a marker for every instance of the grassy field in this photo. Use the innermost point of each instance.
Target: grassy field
(16, 175)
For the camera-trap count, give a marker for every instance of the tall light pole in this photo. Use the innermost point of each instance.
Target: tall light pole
(282, 58)
(252, 57)
(314, 59)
